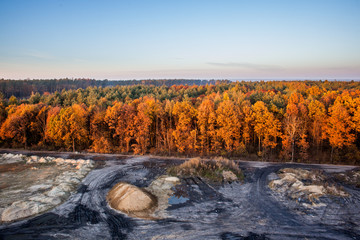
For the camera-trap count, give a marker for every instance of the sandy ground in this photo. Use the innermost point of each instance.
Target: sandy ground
(249, 210)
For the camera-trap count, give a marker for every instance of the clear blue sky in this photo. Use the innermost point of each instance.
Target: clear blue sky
(220, 39)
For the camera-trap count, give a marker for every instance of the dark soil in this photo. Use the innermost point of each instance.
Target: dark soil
(238, 210)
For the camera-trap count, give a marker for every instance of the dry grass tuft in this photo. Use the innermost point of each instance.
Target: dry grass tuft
(210, 169)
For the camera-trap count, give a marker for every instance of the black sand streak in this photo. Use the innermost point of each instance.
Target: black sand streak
(213, 211)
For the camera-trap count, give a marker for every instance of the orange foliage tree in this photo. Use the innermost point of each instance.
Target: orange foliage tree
(229, 127)
(266, 127)
(22, 124)
(339, 128)
(100, 133)
(206, 119)
(296, 120)
(185, 131)
(69, 128)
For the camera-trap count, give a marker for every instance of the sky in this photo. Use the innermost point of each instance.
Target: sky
(193, 39)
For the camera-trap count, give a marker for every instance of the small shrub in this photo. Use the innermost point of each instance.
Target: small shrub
(210, 169)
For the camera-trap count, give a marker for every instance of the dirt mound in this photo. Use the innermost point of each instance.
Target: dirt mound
(131, 199)
(147, 203)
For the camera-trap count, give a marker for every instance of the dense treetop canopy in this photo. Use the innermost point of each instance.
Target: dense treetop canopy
(307, 121)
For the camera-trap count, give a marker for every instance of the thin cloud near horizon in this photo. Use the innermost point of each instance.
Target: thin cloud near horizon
(246, 65)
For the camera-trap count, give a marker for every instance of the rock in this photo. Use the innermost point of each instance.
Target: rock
(53, 201)
(129, 198)
(162, 185)
(66, 187)
(229, 176)
(298, 183)
(39, 187)
(172, 179)
(11, 158)
(42, 160)
(73, 180)
(22, 209)
(57, 192)
(59, 161)
(81, 161)
(162, 188)
(313, 189)
(79, 166)
(89, 163)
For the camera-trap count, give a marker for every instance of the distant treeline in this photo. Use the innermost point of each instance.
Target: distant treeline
(302, 121)
(24, 88)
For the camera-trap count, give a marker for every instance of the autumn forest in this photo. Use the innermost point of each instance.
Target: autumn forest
(299, 121)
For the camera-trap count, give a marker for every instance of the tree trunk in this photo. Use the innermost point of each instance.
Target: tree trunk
(25, 140)
(195, 142)
(73, 144)
(292, 150)
(170, 133)
(331, 156)
(157, 132)
(259, 144)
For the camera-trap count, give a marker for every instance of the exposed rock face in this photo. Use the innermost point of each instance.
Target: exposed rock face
(7, 158)
(303, 184)
(148, 203)
(40, 188)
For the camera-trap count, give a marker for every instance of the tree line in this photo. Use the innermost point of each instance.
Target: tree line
(24, 88)
(299, 121)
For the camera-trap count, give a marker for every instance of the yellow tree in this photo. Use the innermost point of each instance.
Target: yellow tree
(167, 125)
(295, 125)
(356, 118)
(21, 125)
(120, 118)
(339, 128)
(206, 119)
(100, 132)
(69, 127)
(266, 127)
(185, 130)
(318, 118)
(229, 126)
(142, 122)
(248, 121)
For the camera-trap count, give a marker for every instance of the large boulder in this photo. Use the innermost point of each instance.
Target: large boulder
(129, 198)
